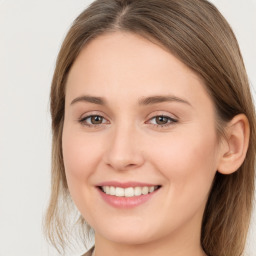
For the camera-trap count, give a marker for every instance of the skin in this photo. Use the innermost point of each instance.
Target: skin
(181, 156)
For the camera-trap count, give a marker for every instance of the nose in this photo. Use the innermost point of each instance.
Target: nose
(124, 150)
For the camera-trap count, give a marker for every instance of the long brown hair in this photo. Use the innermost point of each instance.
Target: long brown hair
(196, 33)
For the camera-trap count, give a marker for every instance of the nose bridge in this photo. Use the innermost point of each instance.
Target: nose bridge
(124, 151)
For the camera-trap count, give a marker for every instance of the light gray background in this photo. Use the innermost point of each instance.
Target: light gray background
(30, 36)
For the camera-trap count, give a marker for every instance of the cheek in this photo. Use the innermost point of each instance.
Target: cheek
(188, 161)
(81, 156)
(79, 153)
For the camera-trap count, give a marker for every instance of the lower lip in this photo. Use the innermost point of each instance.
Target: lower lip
(126, 202)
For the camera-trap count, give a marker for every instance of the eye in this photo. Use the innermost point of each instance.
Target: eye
(162, 120)
(93, 120)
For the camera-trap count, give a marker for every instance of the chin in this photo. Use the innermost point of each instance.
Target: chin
(129, 235)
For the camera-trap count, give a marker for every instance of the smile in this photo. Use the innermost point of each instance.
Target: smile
(127, 195)
(128, 192)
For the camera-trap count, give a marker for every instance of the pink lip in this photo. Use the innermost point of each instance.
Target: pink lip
(125, 202)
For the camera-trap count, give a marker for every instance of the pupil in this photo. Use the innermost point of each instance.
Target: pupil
(161, 120)
(96, 120)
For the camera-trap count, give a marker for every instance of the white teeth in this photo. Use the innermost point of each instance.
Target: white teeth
(119, 192)
(137, 191)
(128, 192)
(112, 191)
(145, 190)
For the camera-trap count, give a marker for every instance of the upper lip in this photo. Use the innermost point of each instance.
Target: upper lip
(125, 184)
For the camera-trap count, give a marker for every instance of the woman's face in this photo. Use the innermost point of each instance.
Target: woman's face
(137, 120)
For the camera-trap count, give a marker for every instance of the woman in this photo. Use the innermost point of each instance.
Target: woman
(153, 131)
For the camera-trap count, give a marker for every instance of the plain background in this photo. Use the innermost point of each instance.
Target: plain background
(31, 33)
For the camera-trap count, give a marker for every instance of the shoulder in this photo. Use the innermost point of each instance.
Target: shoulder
(89, 253)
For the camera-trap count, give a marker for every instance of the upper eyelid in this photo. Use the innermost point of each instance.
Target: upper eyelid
(93, 113)
(89, 116)
(162, 113)
(158, 113)
(172, 120)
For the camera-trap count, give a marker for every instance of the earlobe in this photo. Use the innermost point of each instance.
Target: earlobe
(237, 140)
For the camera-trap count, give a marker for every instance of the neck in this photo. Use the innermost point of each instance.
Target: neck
(180, 243)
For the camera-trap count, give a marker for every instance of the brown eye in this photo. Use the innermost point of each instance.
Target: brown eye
(93, 120)
(96, 119)
(161, 120)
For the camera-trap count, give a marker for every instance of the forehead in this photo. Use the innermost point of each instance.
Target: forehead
(125, 49)
(120, 63)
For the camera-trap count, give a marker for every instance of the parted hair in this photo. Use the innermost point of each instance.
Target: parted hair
(196, 33)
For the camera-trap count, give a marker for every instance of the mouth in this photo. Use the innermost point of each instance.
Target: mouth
(128, 191)
(127, 195)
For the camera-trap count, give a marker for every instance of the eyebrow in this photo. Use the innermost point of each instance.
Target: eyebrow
(90, 99)
(159, 99)
(144, 101)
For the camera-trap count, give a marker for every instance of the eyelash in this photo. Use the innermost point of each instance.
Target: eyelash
(171, 121)
(83, 121)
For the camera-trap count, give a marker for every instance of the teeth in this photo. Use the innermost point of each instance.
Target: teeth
(128, 192)
(112, 191)
(151, 189)
(137, 191)
(145, 190)
(119, 192)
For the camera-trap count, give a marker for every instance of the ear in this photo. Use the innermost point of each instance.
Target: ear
(236, 144)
